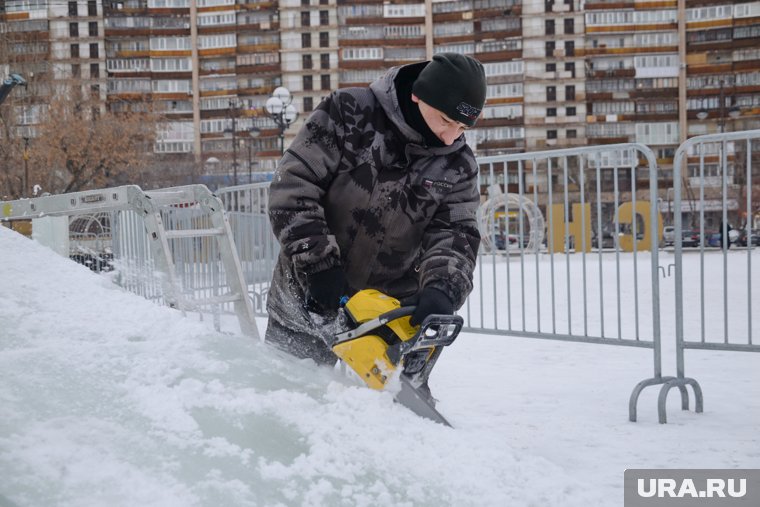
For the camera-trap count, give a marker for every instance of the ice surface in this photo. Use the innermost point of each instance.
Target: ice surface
(108, 399)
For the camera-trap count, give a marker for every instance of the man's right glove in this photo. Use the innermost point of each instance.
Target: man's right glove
(327, 287)
(431, 301)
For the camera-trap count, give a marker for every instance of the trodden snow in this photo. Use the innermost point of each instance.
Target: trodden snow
(109, 399)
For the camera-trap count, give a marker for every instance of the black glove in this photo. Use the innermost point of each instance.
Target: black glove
(325, 288)
(431, 301)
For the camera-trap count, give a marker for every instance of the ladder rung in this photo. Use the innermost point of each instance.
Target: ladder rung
(194, 233)
(215, 300)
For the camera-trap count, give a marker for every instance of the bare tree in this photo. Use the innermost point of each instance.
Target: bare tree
(58, 134)
(79, 145)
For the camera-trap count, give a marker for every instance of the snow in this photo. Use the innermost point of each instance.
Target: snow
(108, 399)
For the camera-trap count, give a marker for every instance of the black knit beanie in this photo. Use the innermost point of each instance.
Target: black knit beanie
(454, 84)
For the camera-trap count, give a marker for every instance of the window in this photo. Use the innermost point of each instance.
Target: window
(551, 67)
(570, 92)
(169, 43)
(306, 18)
(551, 134)
(572, 134)
(92, 8)
(324, 61)
(308, 83)
(74, 49)
(404, 10)
(305, 40)
(569, 48)
(95, 91)
(550, 46)
(551, 111)
(94, 50)
(306, 62)
(551, 93)
(570, 111)
(324, 18)
(569, 25)
(570, 67)
(308, 104)
(325, 81)
(324, 39)
(94, 71)
(74, 29)
(92, 28)
(304, 3)
(358, 53)
(548, 5)
(73, 9)
(76, 70)
(170, 65)
(549, 27)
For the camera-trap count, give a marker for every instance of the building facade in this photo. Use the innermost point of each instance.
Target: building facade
(561, 73)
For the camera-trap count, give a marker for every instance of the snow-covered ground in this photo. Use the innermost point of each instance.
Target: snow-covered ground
(108, 399)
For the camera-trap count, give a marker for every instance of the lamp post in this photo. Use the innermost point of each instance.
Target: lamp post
(233, 110)
(26, 168)
(280, 108)
(255, 132)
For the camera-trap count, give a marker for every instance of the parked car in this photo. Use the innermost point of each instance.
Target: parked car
(741, 240)
(668, 235)
(514, 241)
(689, 238)
(714, 239)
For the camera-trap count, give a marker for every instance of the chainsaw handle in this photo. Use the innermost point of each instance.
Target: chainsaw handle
(375, 323)
(403, 311)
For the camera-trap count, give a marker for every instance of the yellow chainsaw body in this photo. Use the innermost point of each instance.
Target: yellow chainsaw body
(367, 354)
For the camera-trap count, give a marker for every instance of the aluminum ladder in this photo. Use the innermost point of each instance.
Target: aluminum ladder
(148, 205)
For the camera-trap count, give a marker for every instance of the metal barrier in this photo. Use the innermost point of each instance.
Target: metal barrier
(593, 277)
(570, 285)
(247, 207)
(715, 159)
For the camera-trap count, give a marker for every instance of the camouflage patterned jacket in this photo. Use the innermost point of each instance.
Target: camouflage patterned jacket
(358, 189)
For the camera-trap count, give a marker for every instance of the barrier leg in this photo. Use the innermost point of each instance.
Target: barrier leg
(681, 384)
(634, 399)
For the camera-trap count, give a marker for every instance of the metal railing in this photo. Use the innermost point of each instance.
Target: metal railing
(247, 207)
(722, 325)
(569, 285)
(585, 269)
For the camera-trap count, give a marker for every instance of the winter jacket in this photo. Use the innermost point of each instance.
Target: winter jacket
(357, 188)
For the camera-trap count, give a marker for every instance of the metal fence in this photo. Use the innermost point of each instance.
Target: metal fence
(570, 251)
(567, 285)
(247, 207)
(594, 277)
(721, 170)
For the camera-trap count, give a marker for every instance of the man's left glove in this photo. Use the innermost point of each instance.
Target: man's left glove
(431, 301)
(327, 287)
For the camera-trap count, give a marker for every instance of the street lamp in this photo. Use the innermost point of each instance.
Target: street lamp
(26, 167)
(233, 111)
(254, 133)
(279, 107)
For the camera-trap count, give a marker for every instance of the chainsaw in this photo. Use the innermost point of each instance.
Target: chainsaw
(379, 341)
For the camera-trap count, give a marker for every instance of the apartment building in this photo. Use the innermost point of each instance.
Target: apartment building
(375, 36)
(560, 72)
(555, 99)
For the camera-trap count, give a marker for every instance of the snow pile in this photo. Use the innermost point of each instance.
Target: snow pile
(108, 399)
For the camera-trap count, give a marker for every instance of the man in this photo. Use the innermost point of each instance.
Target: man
(378, 190)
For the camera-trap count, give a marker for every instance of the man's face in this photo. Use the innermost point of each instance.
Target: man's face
(446, 129)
